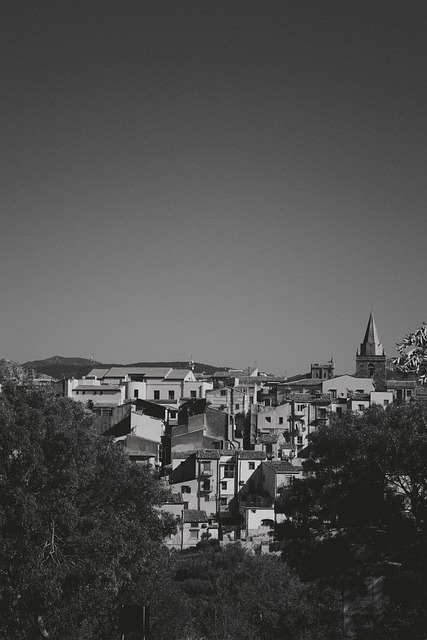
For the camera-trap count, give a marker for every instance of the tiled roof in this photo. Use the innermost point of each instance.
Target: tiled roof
(225, 374)
(245, 454)
(308, 397)
(97, 373)
(216, 454)
(148, 372)
(209, 454)
(104, 405)
(305, 382)
(281, 466)
(401, 384)
(177, 374)
(92, 387)
(194, 515)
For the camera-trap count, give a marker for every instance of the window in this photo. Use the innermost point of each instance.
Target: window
(135, 393)
(386, 403)
(205, 466)
(268, 419)
(224, 486)
(206, 486)
(172, 415)
(252, 466)
(299, 439)
(228, 470)
(207, 498)
(156, 394)
(193, 395)
(359, 390)
(360, 407)
(267, 402)
(237, 406)
(280, 420)
(223, 392)
(185, 489)
(194, 525)
(339, 412)
(194, 534)
(171, 394)
(333, 393)
(408, 393)
(223, 502)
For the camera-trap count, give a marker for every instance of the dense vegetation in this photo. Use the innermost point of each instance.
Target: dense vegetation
(79, 528)
(80, 534)
(363, 510)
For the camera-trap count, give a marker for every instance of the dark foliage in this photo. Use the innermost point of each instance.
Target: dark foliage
(79, 528)
(362, 510)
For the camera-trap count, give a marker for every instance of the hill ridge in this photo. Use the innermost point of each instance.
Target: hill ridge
(67, 367)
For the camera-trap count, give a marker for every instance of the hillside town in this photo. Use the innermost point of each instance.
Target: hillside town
(227, 443)
(220, 504)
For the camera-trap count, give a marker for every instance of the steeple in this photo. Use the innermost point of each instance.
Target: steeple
(371, 346)
(370, 360)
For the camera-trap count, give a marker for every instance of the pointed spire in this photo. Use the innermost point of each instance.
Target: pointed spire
(371, 346)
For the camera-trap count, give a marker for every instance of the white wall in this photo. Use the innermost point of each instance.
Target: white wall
(381, 397)
(254, 518)
(147, 427)
(140, 387)
(343, 384)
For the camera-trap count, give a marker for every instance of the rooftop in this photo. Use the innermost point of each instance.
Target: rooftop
(148, 372)
(282, 466)
(194, 515)
(401, 384)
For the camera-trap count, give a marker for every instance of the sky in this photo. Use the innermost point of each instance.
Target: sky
(237, 181)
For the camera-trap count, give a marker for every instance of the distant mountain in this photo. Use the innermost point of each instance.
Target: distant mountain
(59, 367)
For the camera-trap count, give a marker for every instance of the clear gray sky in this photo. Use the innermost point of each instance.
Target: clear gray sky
(236, 180)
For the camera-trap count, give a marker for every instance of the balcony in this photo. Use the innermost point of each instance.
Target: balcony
(206, 487)
(204, 473)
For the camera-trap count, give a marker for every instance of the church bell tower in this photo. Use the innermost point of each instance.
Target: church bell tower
(370, 359)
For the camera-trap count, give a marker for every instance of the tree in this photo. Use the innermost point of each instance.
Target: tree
(413, 354)
(79, 528)
(237, 596)
(363, 509)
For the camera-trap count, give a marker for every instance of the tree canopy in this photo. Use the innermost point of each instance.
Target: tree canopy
(362, 509)
(412, 351)
(233, 595)
(79, 528)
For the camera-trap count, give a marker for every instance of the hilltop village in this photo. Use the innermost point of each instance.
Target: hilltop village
(227, 443)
